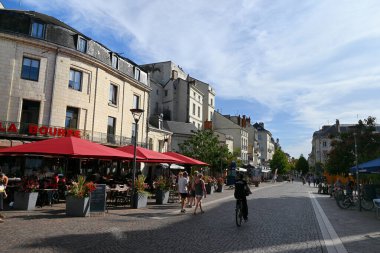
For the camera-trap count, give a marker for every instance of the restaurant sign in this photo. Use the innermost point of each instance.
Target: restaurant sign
(32, 129)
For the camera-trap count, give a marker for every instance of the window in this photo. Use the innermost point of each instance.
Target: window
(324, 144)
(82, 45)
(137, 74)
(136, 102)
(199, 98)
(210, 116)
(30, 69)
(115, 61)
(38, 30)
(75, 80)
(71, 117)
(113, 95)
(157, 91)
(166, 93)
(133, 131)
(193, 109)
(212, 101)
(199, 111)
(193, 94)
(111, 129)
(199, 126)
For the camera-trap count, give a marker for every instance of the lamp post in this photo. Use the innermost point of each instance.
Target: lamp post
(357, 173)
(136, 113)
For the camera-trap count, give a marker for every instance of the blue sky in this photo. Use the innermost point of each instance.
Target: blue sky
(294, 65)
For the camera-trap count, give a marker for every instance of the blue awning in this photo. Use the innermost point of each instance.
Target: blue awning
(372, 166)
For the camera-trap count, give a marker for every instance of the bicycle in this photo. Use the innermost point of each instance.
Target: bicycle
(239, 212)
(346, 201)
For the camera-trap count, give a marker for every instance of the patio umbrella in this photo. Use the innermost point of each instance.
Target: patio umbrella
(69, 147)
(185, 159)
(148, 156)
(372, 166)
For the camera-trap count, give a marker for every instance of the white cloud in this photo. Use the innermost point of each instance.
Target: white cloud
(309, 59)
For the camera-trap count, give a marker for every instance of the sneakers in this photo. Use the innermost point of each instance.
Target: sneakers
(1, 221)
(2, 216)
(183, 211)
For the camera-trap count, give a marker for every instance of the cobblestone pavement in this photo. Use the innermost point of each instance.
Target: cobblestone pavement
(281, 216)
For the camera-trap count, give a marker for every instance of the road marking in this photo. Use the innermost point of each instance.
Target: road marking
(332, 241)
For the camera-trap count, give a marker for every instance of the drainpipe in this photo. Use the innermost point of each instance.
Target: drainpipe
(93, 113)
(53, 88)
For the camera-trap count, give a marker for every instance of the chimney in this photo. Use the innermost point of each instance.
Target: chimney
(249, 121)
(337, 125)
(238, 120)
(244, 122)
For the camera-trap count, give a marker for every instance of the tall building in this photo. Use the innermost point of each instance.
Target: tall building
(178, 96)
(57, 81)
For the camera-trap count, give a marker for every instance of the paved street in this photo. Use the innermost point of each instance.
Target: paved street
(282, 219)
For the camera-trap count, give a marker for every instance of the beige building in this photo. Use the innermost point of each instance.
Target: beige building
(57, 81)
(266, 143)
(179, 97)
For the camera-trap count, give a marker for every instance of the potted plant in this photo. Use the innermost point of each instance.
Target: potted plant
(209, 183)
(26, 197)
(220, 184)
(140, 199)
(78, 197)
(162, 186)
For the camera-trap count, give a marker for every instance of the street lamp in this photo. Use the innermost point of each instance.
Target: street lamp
(136, 113)
(357, 173)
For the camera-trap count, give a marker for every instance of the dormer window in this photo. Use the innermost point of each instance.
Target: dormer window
(38, 30)
(82, 44)
(137, 74)
(114, 61)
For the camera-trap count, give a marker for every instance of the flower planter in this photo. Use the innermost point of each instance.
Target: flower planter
(219, 188)
(77, 207)
(162, 197)
(25, 200)
(209, 188)
(140, 200)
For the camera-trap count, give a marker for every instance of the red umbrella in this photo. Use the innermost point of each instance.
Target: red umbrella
(149, 156)
(185, 159)
(67, 146)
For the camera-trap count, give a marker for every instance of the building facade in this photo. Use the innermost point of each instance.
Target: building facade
(58, 82)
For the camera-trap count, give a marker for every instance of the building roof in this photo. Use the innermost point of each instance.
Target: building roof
(180, 127)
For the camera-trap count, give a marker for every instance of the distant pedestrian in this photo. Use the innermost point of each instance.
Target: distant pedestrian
(292, 179)
(3, 194)
(191, 192)
(308, 180)
(200, 192)
(182, 189)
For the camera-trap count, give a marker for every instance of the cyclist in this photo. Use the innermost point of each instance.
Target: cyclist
(241, 192)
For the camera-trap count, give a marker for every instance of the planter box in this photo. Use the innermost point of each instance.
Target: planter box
(25, 200)
(209, 188)
(162, 197)
(77, 207)
(140, 200)
(220, 188)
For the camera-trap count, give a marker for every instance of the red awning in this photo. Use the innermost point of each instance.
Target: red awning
(149, 156)
(185, 159)
(67, 146)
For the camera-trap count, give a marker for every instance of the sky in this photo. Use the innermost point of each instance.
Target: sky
(294, 65)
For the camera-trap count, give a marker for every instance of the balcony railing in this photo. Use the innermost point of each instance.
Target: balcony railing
(30, 130)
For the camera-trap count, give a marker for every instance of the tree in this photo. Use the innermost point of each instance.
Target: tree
(302, 165)
(279, 162)
(342, 155)
(205, 146)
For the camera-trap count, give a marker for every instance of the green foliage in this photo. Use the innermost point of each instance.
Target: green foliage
(279, 162)
(342, 155)
(302, 165)
(205, 146)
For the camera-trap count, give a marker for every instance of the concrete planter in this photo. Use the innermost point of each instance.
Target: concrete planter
(140, 200)
(162, 197)
(25, 200)
(209, 188)
(77, 207)
(219, 188)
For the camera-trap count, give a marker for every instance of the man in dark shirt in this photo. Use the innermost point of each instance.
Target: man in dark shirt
(241, 191)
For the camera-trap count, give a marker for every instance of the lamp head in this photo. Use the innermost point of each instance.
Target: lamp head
(136, 113)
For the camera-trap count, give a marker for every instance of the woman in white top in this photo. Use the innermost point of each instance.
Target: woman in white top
(182, 189)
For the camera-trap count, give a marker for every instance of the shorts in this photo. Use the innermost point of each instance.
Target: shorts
(183, 195)
(199, 196)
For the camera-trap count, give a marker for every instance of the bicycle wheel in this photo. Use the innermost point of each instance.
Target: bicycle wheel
(343, 202)
(238, 213)
(366, 204)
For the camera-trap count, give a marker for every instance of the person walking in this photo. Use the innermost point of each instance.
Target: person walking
(191, 194)
(182, 189)
(200, 192)
(3, 194)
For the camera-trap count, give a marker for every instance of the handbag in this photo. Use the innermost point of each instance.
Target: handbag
(247, 190)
